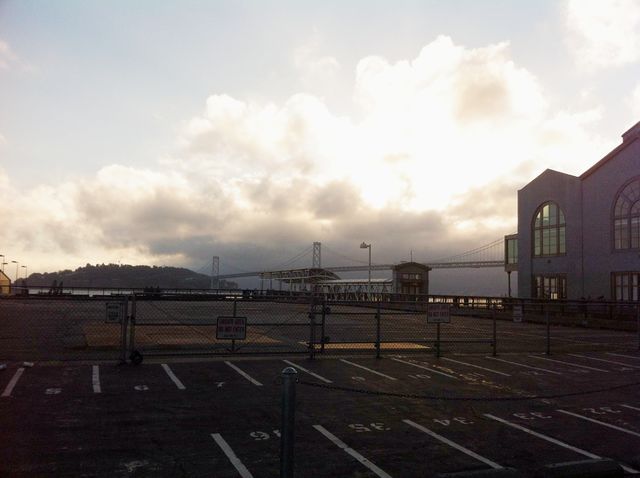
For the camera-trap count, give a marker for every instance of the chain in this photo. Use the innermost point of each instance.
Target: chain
(462, 398)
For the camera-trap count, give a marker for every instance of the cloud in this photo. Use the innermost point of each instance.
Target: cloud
(316, 72)
(430, 162)
(7, 56)
(635, 102)
(603, 33)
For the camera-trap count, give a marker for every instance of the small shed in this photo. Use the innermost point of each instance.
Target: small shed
(411, 278)
(5, 284)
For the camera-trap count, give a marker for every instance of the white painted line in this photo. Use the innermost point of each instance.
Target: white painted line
(352, 452)
(569, 363)
(313, 374)
(607, 361)
(630, 407)
(368, 369)
(622, 355)
(172, 376)
(425, 368)
(604, 424)
(244, 374)
(525, 366)
(12, 382)
(476, 366)
(472, 454)
(235, 461)
(95, 379)
(580, 451)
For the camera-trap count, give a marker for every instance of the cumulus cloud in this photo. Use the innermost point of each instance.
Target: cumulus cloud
(431, 163)
(7, 56)
(603, 33)
(316, 72)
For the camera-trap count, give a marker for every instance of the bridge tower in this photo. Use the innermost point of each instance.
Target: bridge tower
(316, 262)
(215, 272)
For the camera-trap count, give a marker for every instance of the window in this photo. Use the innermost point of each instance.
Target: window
(550, 286)
(549, 231)
(626, 217)
(512, 251)
(626, 286)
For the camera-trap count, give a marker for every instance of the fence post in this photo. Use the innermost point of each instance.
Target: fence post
(438, 339)
(548, 317)
(124, 304)
(638, 323)
(312, 331)
(132, 324)
(495, 335)
(287, 433)
(322, 330)
(378, 331)
(235, 311)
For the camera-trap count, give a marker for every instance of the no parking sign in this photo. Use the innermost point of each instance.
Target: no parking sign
(438, 313)
(231, 328)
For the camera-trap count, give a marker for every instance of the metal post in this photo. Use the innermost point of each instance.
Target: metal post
(132, 324)
(378, 331)
(312, 332)
(638, 322)
(548, 332)
(495, 334)
(235, 310)
(287, 432)
(438, 340)
(322, 325)
(125, 318)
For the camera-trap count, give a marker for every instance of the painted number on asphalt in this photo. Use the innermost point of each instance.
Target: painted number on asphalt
(376, 426)
(358, 379)
(446, 421)
(261, 436)
(141, 388)
(601, 410)
(531, 415)
(53, 391)
(418, 376)
(220, 384)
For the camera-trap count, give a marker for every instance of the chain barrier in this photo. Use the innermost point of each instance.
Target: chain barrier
(463, 398)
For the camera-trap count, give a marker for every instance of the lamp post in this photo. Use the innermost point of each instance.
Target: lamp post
(364, 245)
(17, 267)
(25, 272)
(2, 263)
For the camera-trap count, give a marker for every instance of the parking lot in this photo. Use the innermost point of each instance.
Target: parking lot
(355, 416)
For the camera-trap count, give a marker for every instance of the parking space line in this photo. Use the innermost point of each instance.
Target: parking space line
(603, 360)
(452, 444)
(525, 366)
(12, 383)
(368, 369)
(476, 366)
(630, 407)
(243, 373)
(173, 377)
(235, 461)
(381, 473)
(425, 368)
(554, 441)
(95, 379)
(604, 424)
(622, 355)
(313, 374)
(569, 363)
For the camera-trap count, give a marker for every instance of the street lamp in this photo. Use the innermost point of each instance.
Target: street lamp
(364, 245)
(16, 263)
(2, 262)
(25, 272)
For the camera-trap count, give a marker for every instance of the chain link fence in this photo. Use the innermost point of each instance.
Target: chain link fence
(76, 325)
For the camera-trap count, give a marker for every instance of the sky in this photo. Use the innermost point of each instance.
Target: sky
(162, 132)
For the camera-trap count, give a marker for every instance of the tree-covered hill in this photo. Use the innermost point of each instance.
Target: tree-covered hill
(114, 275)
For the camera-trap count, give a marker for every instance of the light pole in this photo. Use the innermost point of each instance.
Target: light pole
(2, 262)
(16, 263)
(25, 272)
(364, 245)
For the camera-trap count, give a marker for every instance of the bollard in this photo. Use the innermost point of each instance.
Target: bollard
(548, 333)
(378, 332)
(287, 435)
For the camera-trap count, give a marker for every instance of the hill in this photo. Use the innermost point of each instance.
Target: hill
(114, 275)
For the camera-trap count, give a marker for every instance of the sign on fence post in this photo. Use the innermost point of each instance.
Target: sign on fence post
(517, 313)
(438, 313)
(115, 313)
(231, 328)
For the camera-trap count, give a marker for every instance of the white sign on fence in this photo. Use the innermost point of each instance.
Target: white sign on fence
(438, 313)
(115, 313)
(231, 328)
(517, 313)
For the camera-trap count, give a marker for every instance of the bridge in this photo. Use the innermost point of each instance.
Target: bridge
(487, 255)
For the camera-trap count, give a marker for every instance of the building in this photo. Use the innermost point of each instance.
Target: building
(5, 284)
(411, 278)
(579, 236)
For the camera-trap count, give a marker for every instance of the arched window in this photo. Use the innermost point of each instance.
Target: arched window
(549, 231)
(626, 217)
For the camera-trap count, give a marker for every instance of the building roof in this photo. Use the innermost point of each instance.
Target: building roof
(628, 138)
